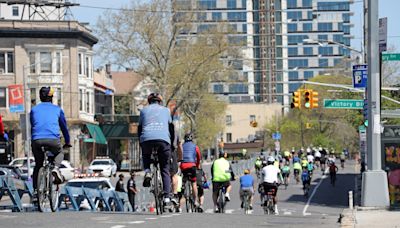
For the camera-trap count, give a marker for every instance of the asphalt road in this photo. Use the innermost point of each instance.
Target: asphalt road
(322, 208)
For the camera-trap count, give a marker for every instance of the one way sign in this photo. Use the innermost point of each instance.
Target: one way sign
(360, 75)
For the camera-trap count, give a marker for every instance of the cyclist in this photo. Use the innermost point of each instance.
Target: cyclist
(221, 174)
(332, 172)
(285, 171)
(317, 156)
(342, 159)
(323, 158)
(310, 157)
(304, 162)
(156, 130)
(190, 162)
(257, 166)
(306, 179)
(270, 179)
(246, 184)
(287, 155)
(296, 171)
(176, 149)
(310, 168)
(46, 121)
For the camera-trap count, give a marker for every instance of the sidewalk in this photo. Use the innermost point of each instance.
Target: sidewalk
(370, 218)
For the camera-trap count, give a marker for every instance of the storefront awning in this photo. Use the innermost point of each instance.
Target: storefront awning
(96, 133)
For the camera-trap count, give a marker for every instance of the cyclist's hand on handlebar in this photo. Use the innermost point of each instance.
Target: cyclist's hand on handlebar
(66, 146)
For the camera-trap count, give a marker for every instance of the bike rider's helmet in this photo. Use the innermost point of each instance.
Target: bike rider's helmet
(222, 154)
(246, 171)
(188, 137)
(264, 163)
(270, 160)
(154, 97)
(308, 150)
(46, 94)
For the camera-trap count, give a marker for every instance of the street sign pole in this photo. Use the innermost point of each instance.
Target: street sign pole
(374, 182)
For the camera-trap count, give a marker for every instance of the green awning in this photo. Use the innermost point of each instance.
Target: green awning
(96, 133)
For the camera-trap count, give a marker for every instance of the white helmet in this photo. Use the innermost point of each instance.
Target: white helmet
(271, 159)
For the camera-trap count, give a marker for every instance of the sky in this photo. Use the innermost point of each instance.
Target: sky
(387, 8)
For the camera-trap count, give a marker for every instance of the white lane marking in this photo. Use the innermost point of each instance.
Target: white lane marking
(230, 211)
(312, 194)
(209, 211)
(118, 226)
(101, 218)
(176, 214)
(287, 213)
(136, 222)
(166, 216)
(150, 218)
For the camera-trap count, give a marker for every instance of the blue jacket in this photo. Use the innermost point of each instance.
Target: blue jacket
(46, 121)
(189, 152)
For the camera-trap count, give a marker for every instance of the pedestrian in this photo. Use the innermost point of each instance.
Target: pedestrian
(132, 191)
(119, 187)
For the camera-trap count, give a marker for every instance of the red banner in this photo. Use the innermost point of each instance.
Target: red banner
(16, 98)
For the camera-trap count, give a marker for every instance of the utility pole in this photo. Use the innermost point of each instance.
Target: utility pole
(374, 181)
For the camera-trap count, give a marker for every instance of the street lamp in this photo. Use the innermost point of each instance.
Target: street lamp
(321, 43)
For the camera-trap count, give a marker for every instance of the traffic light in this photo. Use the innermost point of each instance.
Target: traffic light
(296, 100)
(308, 125)
(314, 99)
(307, 98)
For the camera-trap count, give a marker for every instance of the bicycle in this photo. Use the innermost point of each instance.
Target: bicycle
(306, 189)
(269, 206)
(156, 184)
(47, 192)
(286, 180)
(188, 194)
(221, 202)
(246, 201)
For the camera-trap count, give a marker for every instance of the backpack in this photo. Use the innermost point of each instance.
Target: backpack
(305, 176)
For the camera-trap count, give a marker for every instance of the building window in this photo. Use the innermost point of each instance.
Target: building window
(59, 97)
(292, 51)
(218, 88)
(45, 62)
(87, 102)
(231, 4)
(87, 67)
(291, 4)
(307, 3)
(307, 27)
(293, 75)
(3, 98)
(308, 74)
(325, 27)
(80, 63)
(6, 62)
(323, 37)
(228, 120)
(15, 11)
(292, 27)
(252, 118)
(81, 100)
(216, 16)
(228, 137)
(323, 62)
(237, 16)
(307, 51)
(58, 62)
(32, 62)
(33, 96)
(325, 50)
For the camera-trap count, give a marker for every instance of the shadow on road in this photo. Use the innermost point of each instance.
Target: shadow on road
(328, 195)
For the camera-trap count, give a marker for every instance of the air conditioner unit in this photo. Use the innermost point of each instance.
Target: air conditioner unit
(1, 71)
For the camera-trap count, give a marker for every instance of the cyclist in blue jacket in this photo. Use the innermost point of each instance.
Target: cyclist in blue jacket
(46, 121)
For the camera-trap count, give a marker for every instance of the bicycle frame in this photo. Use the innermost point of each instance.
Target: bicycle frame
(156, 187)
(47, 192)
(246, 201)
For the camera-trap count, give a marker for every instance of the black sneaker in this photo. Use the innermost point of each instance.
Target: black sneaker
(241, 205)
(58, 178)
(147, 180)
(251, 207)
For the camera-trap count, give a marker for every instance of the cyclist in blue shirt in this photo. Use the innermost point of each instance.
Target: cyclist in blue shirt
(46, 121)
(246, 184)
(156, 131)
(305, 178)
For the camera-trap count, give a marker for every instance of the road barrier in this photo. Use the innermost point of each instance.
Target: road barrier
(7, 186)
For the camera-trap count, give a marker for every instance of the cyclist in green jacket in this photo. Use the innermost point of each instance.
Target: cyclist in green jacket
(221, 174)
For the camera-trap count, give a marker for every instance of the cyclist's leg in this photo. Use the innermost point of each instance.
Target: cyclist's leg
(194, 184)
(39, 158)
(147, 148)
(54, 146)
(215, 186)
(164, 153)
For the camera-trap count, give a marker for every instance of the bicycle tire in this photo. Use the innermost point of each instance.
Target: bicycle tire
(246, 203)
(160, 191)
(221, 201)
(42, 189)
(53, 193)
(156, 190)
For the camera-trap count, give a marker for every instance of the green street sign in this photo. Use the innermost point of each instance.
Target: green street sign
(343, 104)
(390, 56)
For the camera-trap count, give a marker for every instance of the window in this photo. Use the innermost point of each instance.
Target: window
(291, 4)
(237, 16)
(81, 100)
(3, 98)
(292, 27)
(244, 4)
(6, 62)
(293, 63)
(252, 117)
(296, 15)
(33, 96)
(325, 27)
(205, 4)
(45, 62)
(228, 120)
(338, 38)
(216, 16)
(346, 17)
(218, 88)
(87, 67)
(325, 50)
(58, 62)
(238, 88)
(307, 3)
(293, 75)
(87, 102)
(292, 51)
(80, 59)
(15, 11)
(32, 62)
(228, 137)
(308, 74)
(333, 6)
(244, 28)
(231, 4)
(323, 37)
(202, 16)
(59, 96)
(296, 39)
(307, 27)
(323, 62)
(308, 51)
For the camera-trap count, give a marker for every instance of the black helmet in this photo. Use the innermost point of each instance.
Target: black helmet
(222, 154)
(154, 97)
(46, 94)
(188, 137)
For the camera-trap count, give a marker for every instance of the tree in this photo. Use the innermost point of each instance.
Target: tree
(146, 38)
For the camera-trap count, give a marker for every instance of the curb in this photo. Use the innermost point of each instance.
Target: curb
(347, 218)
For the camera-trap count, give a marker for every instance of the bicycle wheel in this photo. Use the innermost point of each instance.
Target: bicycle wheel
(270, 206)
(156, 190)
(53, 193)
(42, 189)
(160, 192)
(221, 201)
(187, 196)
(246, 203)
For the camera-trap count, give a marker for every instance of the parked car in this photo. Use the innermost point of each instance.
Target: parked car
(67, 170)
(23, 164)
(101, 183)
(103, 166)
